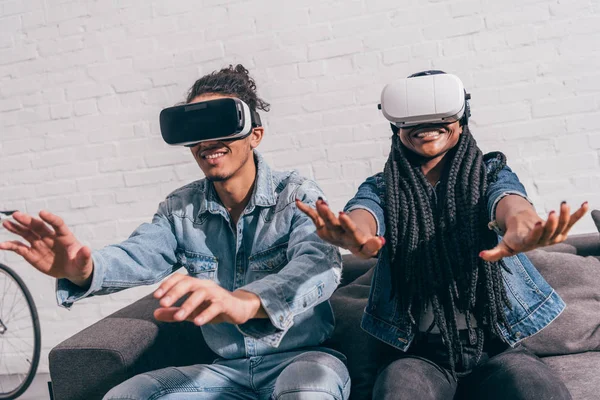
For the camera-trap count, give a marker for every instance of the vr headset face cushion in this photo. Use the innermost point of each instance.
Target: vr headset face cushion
(219, 119)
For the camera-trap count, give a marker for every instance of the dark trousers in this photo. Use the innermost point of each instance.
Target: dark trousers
(501, 373)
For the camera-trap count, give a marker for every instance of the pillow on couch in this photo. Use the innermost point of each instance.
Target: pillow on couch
(577, 281)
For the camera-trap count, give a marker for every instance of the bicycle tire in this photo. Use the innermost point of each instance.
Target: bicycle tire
(37, 343)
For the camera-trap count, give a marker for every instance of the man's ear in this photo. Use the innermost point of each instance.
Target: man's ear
(256, 136)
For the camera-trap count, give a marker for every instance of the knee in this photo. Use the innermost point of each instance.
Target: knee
(140, 387)
(523, 376)
(313, 375)
(413, 378)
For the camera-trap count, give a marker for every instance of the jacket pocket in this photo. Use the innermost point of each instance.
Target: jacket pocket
(270, 260)
(200, 266)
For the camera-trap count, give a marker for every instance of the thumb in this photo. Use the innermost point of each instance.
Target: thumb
(497, 253)
(83, 258)
(372, 246)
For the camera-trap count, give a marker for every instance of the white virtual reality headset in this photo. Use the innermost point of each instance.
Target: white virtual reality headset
(429, 97)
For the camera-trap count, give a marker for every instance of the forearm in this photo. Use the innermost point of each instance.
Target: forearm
(512, 208)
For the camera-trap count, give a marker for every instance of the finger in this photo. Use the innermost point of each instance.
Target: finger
(311, 212)
(21, 230)
(16, 247)
(350, 228)
(208, 315)
(56, 223)
(563, 219)
(167, 284)
(191, 304)
(549, 227)
(331, 221)
(83, 257)
(35, 224)
(166, 314)
(577, 215)
(532, 239)
(497, 253)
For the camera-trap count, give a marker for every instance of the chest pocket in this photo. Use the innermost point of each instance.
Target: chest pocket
(270, 260)
(200, 265)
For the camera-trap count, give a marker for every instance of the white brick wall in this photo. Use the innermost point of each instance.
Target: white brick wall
(82, 83)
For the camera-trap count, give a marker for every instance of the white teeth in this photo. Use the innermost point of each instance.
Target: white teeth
(428, 134)
(213, 156)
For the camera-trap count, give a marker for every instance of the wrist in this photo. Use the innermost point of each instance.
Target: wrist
(251, 304)
(85, 279)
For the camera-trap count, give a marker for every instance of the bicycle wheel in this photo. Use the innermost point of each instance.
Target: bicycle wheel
(20, 335)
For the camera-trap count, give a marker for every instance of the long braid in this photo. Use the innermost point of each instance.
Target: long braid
(434, 246)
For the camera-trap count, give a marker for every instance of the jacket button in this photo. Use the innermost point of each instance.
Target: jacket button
(518, 334)
(281, 318)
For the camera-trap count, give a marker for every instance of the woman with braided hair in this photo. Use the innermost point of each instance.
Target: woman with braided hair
(452, 294)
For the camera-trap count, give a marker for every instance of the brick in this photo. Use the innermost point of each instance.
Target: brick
(148, 177)
(302, 35)
(583, 122)
(100, 182)
(54, 188)
(572, 105)
(88, 90)
(460, 26)
(498, 114)
(336, 11)
(534, 13)
(85, 107)
(17, 54)
(565, 165)
(354, 151)
(311, 69)
(288, 55)
(60, 111)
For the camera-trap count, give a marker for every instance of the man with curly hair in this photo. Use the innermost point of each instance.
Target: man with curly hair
(259, 278)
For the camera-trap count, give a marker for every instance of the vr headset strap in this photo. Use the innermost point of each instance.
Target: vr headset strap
(255, 117)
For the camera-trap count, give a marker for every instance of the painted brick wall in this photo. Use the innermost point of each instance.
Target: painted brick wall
(82, 83)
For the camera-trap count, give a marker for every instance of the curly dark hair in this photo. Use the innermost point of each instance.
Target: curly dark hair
(232, 80)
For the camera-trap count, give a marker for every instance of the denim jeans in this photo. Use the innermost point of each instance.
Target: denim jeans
(309, 374)
(500, 373)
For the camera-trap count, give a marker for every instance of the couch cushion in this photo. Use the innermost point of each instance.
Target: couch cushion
(577, 280)
(596, 218)
(360, 348)
(579, 372)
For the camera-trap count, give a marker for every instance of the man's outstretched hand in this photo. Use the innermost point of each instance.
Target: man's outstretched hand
(51, 247)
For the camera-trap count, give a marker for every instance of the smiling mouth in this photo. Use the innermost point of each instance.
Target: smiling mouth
(212, 154)
(427, 132)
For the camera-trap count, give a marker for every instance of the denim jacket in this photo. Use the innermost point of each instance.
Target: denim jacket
(273, 251)
(534, 303)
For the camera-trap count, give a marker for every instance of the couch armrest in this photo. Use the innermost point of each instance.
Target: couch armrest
(124, 344)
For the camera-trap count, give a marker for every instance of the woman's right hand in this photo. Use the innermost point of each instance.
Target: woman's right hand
(342, 231)
(53, 249)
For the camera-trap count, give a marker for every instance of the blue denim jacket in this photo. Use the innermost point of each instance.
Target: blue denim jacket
(273, 251)
(534, 303)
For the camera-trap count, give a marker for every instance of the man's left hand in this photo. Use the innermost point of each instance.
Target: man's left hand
(208, 303)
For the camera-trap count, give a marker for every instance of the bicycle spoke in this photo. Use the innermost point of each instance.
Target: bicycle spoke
(26, 307)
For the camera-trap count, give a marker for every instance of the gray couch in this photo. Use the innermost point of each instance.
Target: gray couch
(130, 341)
